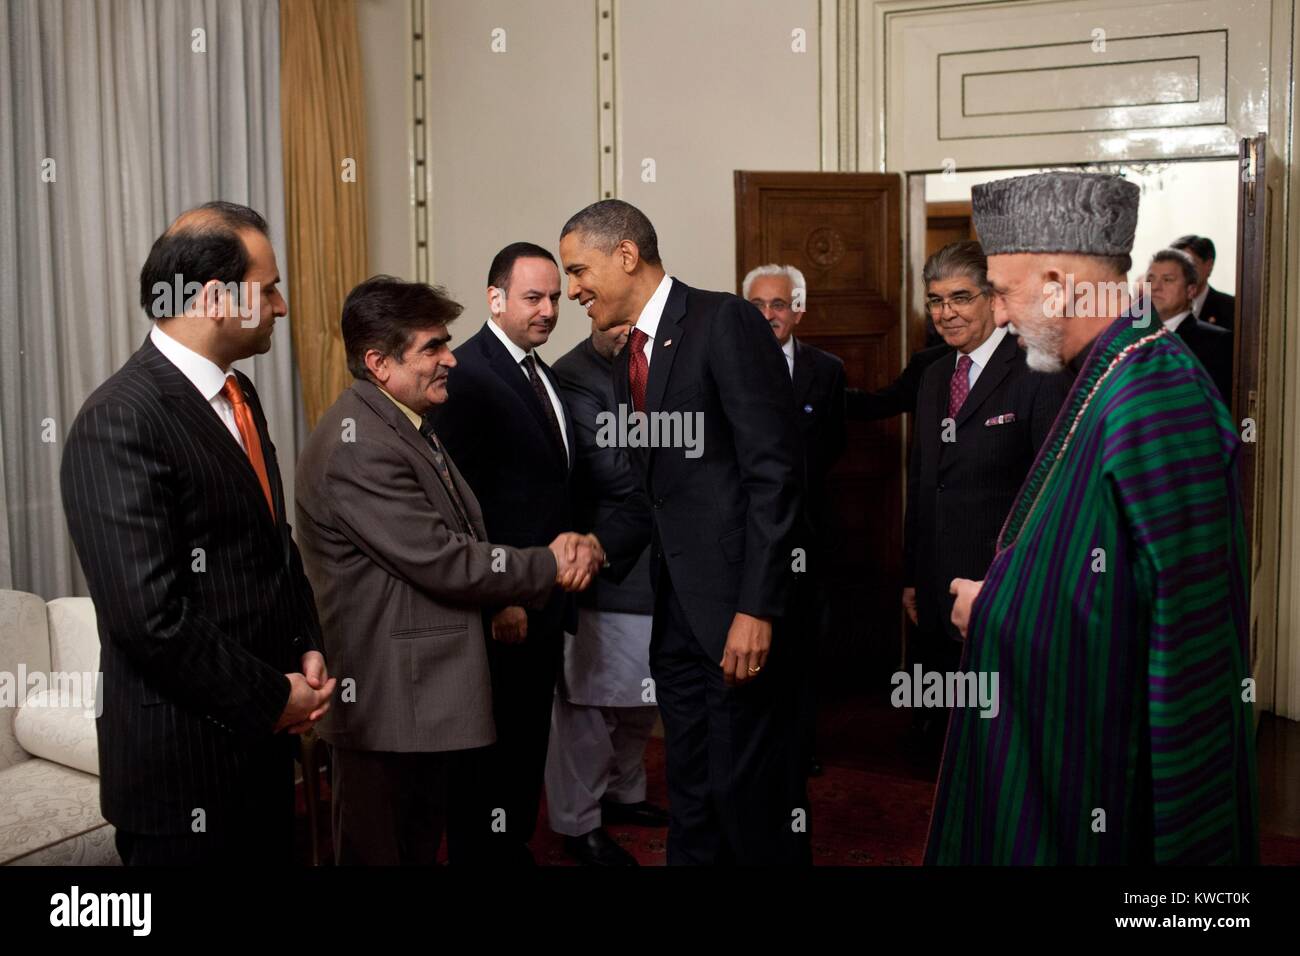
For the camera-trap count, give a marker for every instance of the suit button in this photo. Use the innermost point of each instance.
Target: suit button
(939, 487)
(659, 502)
(297, 642)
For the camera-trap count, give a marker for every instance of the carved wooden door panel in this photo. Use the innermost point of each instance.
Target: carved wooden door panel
(843, 231)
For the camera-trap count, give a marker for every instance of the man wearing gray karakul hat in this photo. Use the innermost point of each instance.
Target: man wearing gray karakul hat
(1111, 623)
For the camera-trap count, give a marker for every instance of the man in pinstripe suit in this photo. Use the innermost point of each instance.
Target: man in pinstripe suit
(210, 644)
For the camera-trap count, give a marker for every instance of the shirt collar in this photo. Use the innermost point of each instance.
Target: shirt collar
(204, 374)
(1199, 302)
(788, 348)
(981, 355)
(515, 351)
(409, 412)
(1174, 321)
(653, 311)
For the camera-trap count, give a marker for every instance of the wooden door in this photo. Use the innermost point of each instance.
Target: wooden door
(947, 222)
(843, 231)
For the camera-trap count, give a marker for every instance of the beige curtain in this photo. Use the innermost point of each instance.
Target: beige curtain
(324, 143)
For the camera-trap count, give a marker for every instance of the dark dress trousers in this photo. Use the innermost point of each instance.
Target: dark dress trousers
(497, 431)
(899, 396)
(1219, 308)
(202, 606)
(722, 528)
(401, 564)
(959, 492)
(1213, 346)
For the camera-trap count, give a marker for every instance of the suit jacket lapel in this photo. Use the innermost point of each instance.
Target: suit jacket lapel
(661, 355)
(513, 374)
(206, 425)
(803, 372)
(998, 368)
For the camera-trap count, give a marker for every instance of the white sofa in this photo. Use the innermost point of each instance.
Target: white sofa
(49, 763)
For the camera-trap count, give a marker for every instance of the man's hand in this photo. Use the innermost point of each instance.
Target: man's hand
(909, 603)
(748, 642)
(966, 592)
(510, 625)
(307, 704)
(578, 559)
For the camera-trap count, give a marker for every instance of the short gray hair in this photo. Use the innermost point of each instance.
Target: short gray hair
(772, 269)
(608, 222)
(963, 258)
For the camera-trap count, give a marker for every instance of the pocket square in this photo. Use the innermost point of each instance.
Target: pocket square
(1005, 419)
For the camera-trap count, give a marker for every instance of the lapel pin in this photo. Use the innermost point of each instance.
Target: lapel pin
(667, 342)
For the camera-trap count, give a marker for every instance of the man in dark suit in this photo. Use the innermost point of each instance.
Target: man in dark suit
(1172, 276)
(209, 643)
(707, 409)
(780, 293)
(1209, 304)
(396, 547)
(899, 396)
(604, 709)
(980, 420)
(507, 429)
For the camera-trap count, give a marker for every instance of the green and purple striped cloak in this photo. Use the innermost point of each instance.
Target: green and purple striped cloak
(1121, 690)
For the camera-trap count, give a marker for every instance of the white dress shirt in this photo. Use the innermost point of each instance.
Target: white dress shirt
(1172, 323)
(980, 357)
(651, 313)
(788, 349)
(519, 355)
(204, 374)
(1199, 302)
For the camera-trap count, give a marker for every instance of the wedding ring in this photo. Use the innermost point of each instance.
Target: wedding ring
(755, 670)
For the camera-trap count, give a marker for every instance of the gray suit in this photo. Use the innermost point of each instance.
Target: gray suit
(401, 583)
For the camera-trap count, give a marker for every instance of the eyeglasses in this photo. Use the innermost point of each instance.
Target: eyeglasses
(960, 302)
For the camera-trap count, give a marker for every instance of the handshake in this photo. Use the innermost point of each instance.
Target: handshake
(578, 559)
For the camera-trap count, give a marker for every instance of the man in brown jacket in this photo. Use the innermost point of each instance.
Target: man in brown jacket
(394, 545)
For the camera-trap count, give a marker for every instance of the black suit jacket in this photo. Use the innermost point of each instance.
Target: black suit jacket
(899, 396)
(497, 432)
(723, 525)
(604, 475)
(1218, 309)
(819, 407)
(959, 492)
(201, 599)
(1213, 346)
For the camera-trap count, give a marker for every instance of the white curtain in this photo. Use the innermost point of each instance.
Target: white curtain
(118, 115)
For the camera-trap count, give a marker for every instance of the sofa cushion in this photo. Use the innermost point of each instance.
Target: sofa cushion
(24, 649)
(58, 730)
(42, 804)
(74, 635)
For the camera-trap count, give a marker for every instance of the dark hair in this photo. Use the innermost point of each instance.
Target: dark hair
(1198, 246)
(382, 312)
(607, 223)
(503, 263)
(201, 245)
(1182, 259)
(1120, 265)
(964, 258)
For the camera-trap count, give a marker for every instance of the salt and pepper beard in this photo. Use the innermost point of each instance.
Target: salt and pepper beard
(1043, 346)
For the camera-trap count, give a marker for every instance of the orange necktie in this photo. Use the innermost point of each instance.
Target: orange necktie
(248, 431)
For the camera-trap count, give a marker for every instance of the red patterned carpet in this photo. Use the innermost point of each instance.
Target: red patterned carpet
(870, 808)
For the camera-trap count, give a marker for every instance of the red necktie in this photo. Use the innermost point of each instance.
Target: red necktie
(959, 387)
(638, 368)
(248, 431)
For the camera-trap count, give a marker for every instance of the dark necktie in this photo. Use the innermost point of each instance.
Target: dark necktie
(638, 368)
(539, 389)
(444, 472)
(959, 387)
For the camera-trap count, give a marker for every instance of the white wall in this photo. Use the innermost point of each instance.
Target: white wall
(1177, 198)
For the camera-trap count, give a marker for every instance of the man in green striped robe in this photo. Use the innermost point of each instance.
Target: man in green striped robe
(1115, 610)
